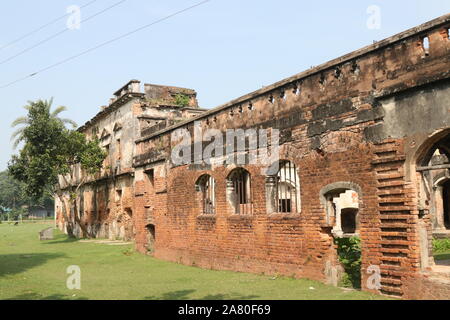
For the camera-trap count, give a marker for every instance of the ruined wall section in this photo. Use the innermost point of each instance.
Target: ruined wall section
(106, 202)
(334, 128)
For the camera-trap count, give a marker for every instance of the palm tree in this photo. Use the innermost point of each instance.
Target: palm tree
(18, 135)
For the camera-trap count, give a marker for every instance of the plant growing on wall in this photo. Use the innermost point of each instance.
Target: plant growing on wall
(349, 252)
(48, 159)
(182, 100)
(441, 245)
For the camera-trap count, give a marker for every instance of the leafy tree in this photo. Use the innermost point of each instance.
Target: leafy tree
(12, 193)
(77, 152)
(14, 200)
(50, 159)
(3, 214)
(16, 213)
(18, 136)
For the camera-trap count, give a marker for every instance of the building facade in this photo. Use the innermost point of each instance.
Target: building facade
(106, 202)
(364, 150)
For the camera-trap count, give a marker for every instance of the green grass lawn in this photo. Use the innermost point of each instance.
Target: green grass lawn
(31, 269)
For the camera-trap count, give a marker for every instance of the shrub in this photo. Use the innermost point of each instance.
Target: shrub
(349, 251)
(441, 245)
(345, 281)
(182, 100)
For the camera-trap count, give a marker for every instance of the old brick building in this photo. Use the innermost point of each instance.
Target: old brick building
(365, 149)
(106, 203)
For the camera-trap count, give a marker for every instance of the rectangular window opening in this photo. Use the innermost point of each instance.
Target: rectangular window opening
(150, 176)
(426, 45)
(118, 195)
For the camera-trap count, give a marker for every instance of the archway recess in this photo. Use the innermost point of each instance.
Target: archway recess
(433, 195)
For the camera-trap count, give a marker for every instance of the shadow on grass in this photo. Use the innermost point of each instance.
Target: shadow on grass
(185, 295)
(36, 296)
(16, 263)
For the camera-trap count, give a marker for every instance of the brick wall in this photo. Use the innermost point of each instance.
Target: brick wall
(362, 120)
(334, 123)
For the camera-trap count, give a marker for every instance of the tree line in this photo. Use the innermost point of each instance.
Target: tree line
(14, 201)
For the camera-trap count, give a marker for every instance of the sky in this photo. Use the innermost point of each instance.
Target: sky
(223, 49)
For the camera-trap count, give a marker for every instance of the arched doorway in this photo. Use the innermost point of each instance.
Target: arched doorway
(434, 176)
(446, 200)
(342, 201)
(441, 206)
(433, 184)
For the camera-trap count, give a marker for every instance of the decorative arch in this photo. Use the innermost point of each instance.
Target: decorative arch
(441, 178)
(439, 140)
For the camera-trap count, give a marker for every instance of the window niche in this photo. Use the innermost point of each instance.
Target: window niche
(151, 238)
(118, 195)
(239, 192)
(283, 190)
(205, 194)
(150, 177)
(342, 201)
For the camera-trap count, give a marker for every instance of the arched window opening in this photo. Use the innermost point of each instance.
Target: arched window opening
(206, 187)
(286, 189)
(239, 191)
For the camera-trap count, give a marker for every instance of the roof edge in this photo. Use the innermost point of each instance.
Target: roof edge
(320, 68)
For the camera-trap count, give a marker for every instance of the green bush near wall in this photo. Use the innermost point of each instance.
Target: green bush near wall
(441, 245)
(349, 251)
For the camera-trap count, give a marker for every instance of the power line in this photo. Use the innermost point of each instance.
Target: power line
(42, 27)
(105, 43)
(59, 33)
